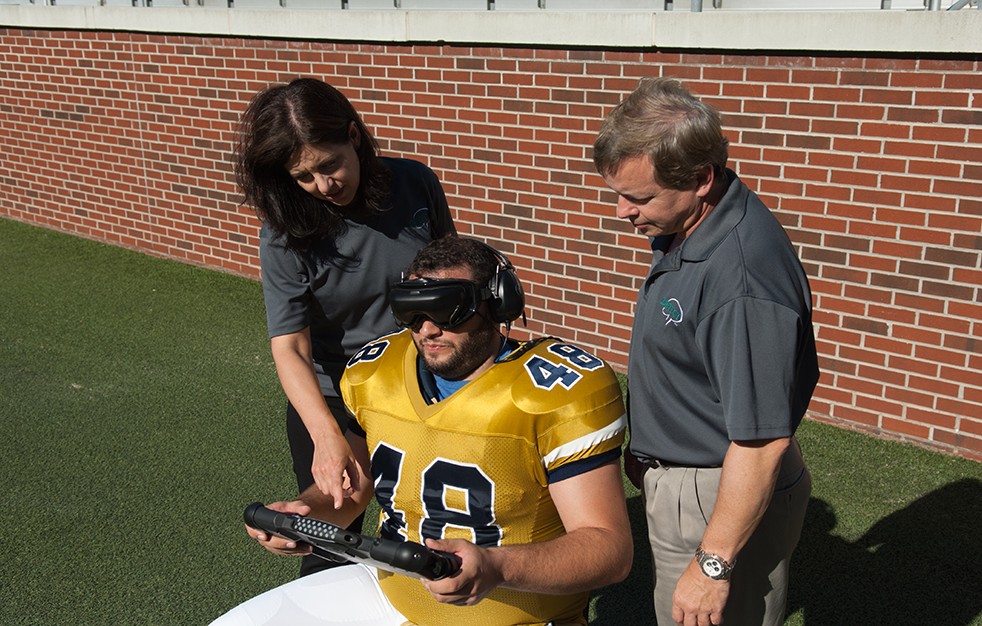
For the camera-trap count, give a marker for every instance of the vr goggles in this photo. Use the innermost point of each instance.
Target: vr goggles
(446, 302)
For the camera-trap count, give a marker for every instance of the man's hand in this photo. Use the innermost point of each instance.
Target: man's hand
(279, 545)
(698, 599)
(478, 576)
(335, 469)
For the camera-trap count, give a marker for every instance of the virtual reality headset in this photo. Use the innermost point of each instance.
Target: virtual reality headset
(447, 302)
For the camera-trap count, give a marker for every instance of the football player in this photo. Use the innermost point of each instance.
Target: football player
(503, 453)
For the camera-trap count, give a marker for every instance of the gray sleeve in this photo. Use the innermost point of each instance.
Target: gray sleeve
(441, 222)
(286, 288)
(750, 346)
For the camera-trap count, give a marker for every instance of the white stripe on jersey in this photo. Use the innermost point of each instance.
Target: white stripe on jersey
(586, 441)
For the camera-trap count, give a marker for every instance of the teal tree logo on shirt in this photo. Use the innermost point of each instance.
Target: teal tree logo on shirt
(672, 310)
(421, 218)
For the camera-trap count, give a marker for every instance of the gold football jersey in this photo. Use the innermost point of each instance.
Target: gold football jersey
(475, 465)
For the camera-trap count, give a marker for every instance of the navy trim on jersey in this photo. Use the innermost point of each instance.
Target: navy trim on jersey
(583, 466)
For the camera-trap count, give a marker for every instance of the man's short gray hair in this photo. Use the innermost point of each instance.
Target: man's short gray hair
(661, 119)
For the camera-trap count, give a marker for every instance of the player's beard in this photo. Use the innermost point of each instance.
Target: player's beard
(473, 350)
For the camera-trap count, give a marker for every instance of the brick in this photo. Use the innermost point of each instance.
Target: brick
(935, 169)
(947, 322)
(913, 115)
(958, 407)
(940, 99)
(909, 149)
(838, 205)
(916, 80)
(827, 364)
(819, 111)
(908, 396)
(854, 415)
(873, 262)
(920, 303)
(940, 356)
(938, 134)
(972, 444)
(962, 344)
(862, 294)
(952, 257)
(861, 146)
(971, 426)
(866, 326)
(905, 427)
(867, 387)
(961, 117)
(925, 270)
(929, 202)
(947, 290)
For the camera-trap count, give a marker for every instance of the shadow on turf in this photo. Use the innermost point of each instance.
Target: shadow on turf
(629, 603)
(919, 565)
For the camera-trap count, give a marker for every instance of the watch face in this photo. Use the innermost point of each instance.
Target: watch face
(712, 567)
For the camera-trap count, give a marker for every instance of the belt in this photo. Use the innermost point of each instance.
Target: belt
(659, 463)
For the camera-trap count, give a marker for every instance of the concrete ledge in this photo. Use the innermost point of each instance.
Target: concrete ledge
(838, 31)
(845, 31)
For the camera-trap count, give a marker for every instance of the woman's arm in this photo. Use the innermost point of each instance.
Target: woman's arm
(333, 458)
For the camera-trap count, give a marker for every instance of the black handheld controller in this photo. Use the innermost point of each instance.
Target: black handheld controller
(334, 543)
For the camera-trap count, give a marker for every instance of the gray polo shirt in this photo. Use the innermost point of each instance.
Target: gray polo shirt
(722, 347)
(339, 287)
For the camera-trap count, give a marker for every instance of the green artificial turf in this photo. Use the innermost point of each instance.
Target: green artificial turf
(141, 413)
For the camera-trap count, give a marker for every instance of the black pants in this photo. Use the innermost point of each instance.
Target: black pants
(302, 451)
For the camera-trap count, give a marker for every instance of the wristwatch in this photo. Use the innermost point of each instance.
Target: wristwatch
(713, 565)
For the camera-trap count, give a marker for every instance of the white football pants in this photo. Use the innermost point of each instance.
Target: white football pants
(347, 595)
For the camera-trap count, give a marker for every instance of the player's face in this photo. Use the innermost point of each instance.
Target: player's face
(652, 209)
(329, 172)
(464, 351)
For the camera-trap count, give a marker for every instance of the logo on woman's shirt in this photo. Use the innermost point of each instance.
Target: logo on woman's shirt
(421, 218)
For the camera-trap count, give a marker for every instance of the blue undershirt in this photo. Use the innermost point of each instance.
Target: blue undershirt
(445, 388)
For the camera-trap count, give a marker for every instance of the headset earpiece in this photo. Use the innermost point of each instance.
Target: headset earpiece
(507, 296)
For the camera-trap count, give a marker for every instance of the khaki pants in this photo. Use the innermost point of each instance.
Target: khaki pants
(679, 502)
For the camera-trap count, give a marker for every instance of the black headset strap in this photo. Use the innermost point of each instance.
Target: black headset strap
(427, 382)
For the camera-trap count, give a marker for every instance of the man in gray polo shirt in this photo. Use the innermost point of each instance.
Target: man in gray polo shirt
(722, 364)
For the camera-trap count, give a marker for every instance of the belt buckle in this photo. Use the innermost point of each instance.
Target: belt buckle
(662, 464)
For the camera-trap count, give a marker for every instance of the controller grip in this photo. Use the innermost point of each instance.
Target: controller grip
(258, 516)
(414, 557)
(406, 556)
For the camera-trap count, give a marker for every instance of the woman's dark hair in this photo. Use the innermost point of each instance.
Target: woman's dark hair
(277, 124)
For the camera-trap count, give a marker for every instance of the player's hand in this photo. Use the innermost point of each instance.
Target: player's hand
(276, 544)
(478, 575)
(334, 468)
(699, 600)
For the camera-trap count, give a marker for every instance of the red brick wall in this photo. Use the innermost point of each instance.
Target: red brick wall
(874, 166)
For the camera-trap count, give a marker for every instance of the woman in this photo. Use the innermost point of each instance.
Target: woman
(340, 223)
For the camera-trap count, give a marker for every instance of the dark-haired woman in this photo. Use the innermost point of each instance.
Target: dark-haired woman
(340, 224)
